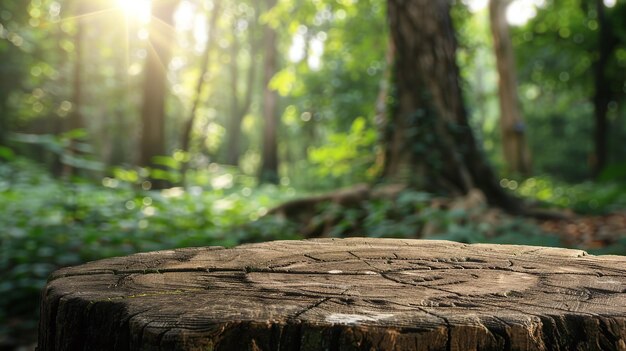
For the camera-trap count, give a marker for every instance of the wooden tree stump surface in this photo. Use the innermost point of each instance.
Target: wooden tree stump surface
(340, 294)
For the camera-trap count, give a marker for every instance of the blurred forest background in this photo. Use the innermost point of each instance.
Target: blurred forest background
(136, 125)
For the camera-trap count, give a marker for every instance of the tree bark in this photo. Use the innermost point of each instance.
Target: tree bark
(155, 82)
(515, 148)
(382, 100)
(75, 120)
(340, 294)
(3, 123)
(204, 67)
(602, 95)
(234, 124)
(429, 141)
(241, 106)
(119, 146)
(13, 70)
(269, 156)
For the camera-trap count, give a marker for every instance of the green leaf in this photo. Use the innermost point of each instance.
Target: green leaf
(6, 153)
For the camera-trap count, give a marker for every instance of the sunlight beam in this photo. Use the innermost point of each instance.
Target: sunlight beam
(136, 9)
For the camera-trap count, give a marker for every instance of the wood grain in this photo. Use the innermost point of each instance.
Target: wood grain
(340, 294)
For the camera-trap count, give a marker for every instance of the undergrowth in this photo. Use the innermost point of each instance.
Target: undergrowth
(46, 223)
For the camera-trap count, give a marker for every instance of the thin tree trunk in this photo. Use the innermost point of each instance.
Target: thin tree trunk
(382, 105)
(155, 84)
(240, 107)
(75, 120)
(515, 148)
(119, 132)
(186, 138)
(429, 141)
(234, 125)
(269, 157)
(381, 119)
(602, 96)
(3, 123)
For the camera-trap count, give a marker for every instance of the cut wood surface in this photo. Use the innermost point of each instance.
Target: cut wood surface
(340, 294)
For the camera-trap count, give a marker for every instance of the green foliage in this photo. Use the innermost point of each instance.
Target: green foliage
(415, 214)
(6, 154)
(584, 197)
(614, 173)
(556, 52)
(70, 148)
(47, 224)
(348, 155)
(511, 232)
(333, 79)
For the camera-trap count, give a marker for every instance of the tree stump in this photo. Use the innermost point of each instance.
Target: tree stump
(340, 294)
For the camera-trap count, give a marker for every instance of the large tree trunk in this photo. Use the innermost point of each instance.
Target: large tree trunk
(515, 148)
(602, 96)
(429, 141)
(269, 157)
(155, 82)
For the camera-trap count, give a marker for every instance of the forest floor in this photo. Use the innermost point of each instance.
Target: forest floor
(589, 232)
(599, 233)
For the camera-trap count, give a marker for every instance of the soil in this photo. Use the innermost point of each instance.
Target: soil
(587, 231)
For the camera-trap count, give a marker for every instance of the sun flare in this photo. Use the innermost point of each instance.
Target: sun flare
(137, 9)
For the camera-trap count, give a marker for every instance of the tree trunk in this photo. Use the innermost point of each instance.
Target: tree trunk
(186, 138)
(269, 157)
(234, 122)
(119, 146)
(602, 96)
(3, 123)
(75, 120)
(429, 141)
(155, 83)
(515, 148)
(382, 100)
(241, 106)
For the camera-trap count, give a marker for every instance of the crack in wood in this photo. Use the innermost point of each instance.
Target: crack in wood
(308, 308)
(505, 334)
(149, 294)
(485, 300)
(313, 257)
(141, 332)
(448, 328)
(384, 275)
(563, 290)
(543, 307)
(159, 336)
(612, 338)
(354, 255)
